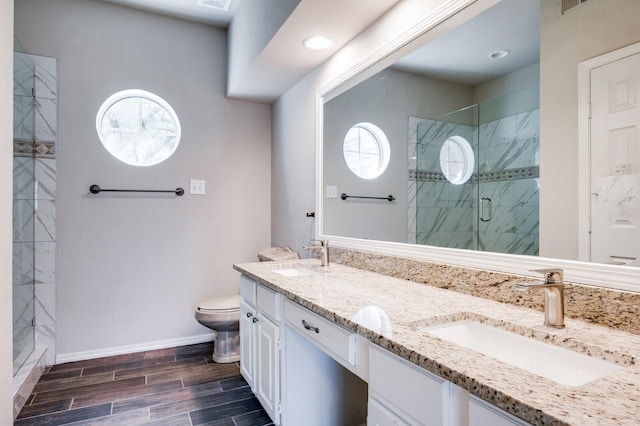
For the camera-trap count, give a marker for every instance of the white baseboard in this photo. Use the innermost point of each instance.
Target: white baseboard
(128, 349)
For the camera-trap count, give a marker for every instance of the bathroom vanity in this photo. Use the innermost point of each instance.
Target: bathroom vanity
(339, 345)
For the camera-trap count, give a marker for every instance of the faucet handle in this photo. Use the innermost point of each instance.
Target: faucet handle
(323, 247)
(551, 275)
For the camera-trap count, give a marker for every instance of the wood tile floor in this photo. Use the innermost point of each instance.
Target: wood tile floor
(175, 386)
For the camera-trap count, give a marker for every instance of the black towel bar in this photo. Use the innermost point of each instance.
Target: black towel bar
(95, 189)
(388, 198)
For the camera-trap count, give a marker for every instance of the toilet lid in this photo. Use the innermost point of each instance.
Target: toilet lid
(229, 303)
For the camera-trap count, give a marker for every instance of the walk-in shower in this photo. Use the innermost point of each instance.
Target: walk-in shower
(23, 207)
(35, 113)
(476, 176)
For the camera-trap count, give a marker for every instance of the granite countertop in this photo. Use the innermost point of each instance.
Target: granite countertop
(339, 292)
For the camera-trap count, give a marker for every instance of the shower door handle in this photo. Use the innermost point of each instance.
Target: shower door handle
(485, 202)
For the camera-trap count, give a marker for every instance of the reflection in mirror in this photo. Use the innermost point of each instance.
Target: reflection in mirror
(495, 210)
(478, 82)
(572, 44)
(366, 150)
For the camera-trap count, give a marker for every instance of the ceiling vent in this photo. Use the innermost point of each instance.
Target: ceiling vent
(569, 4)
(216, 4)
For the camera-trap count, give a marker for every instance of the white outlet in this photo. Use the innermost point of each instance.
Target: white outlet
(332, 191)
(197, 187)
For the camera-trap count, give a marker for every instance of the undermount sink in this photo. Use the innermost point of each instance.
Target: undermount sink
(552, 362)
(298, 271)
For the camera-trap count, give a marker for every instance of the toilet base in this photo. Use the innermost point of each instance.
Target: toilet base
(226, 347)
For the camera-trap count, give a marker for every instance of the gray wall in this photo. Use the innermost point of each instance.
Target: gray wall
(6, 210)
(507, 84)
(131, 268)
(582, 33)
(293, 168)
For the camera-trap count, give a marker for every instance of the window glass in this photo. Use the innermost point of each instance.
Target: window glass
(366, 150)
(138, 127)
(456, 160)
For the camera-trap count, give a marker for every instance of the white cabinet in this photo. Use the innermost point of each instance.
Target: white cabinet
(331, 338)
(321, 384)
(247, 351)
(331, 375)
(379, 415)
(403, 393)
(260, 315)
(481, 413)
(267, 383)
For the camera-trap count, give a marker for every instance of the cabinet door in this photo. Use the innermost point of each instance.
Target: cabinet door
(413, 393)
(379, 415)
(268, 366)
(482, 413)
(247, 346)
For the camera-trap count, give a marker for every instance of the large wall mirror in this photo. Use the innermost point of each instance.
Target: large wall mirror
(488, 154)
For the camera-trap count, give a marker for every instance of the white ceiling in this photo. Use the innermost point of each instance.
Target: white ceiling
(462, 55)
(283, 61)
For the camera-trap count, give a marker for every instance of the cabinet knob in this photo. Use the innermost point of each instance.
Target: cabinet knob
(309, 327)
(249, 314)
(255, 320)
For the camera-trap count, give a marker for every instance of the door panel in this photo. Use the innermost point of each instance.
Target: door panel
(268, 366)
(247, 362)
(615, 163)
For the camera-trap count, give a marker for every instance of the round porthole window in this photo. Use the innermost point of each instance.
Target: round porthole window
(138, 127)
(456, 160)
(366, 150)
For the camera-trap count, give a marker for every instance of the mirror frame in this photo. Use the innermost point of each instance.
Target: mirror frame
(616, 277)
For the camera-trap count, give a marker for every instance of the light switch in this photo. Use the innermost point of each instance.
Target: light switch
(196, 187)
(332, 191)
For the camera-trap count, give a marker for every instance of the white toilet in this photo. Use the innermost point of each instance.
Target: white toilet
(222, 315)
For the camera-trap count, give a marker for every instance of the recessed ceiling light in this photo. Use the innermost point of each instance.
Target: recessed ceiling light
(317, 43)
(216, 4)
(499, 54)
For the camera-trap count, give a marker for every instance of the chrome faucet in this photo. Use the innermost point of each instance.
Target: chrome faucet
(553, 295)
(323, 247)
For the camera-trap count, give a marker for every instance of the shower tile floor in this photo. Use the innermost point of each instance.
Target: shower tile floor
(175, 386)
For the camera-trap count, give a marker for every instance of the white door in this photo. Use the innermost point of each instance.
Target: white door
(615, 162)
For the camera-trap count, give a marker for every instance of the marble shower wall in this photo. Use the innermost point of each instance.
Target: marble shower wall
(508, 176)
(445, 214)
(448, 215)
(34, 195)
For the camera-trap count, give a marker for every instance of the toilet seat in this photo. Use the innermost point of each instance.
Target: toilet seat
(221, 304)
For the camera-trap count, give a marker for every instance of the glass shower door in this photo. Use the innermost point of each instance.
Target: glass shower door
(446, 180)
(508, 185)
(24, 204)
(477, 175)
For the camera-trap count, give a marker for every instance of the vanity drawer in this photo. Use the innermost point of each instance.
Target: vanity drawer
(408, 390)
(248, 289)
(269, 302)
(333, 339)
